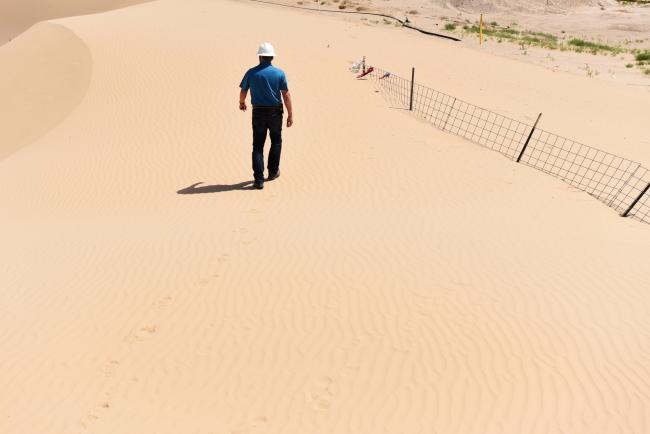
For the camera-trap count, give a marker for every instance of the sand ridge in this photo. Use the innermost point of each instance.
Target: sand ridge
(18, 16)
(43, 77)
(394, 279)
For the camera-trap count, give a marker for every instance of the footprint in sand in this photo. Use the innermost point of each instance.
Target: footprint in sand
(88, 420)
(110, 368)
(142, 334)
(163, 302)
(255, 426)
(93, 416)
(319, 394)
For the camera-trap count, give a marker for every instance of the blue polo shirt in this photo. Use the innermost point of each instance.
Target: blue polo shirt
(265, 82)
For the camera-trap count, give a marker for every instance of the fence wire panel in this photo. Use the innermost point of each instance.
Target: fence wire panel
(599, 173)
(432, 105)
(481, 126)
(499, 133)
(614, 180)
(397, 88)
(637, 183)
(642, 209)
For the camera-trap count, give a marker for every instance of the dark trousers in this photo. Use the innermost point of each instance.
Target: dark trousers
(266, 118)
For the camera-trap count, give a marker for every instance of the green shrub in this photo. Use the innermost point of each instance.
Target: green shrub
(643, 56)
(593, 46)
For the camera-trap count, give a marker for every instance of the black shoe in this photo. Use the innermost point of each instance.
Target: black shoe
(259, 185)
(273, 176)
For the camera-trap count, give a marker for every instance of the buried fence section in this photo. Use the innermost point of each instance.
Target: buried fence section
(394, 86)
(633, 199)
(620, 183)
(432, 105)
(599, 173)
(487, 128)
(640, 201)
(397, 88)
(412, 84)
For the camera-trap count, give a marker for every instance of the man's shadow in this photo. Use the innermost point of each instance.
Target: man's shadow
(195, 189)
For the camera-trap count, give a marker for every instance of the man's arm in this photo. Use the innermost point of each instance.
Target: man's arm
(286, 96)
(242, 99)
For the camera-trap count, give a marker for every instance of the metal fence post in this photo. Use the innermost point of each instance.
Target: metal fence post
(521, 154)
(412, 81)
(631, 207)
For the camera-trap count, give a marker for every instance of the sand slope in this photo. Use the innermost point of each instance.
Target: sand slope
(394, 279)
(18, 16)
(43, 76)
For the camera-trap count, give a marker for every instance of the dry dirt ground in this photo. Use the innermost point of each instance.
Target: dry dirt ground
(621, 26)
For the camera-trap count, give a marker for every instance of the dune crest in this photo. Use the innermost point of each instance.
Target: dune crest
(44, 75)
(18, 16)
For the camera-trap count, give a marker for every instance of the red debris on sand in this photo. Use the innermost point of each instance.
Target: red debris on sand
(368, 71)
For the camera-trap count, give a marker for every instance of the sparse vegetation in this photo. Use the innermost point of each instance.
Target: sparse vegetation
(643, 56)
(594, 47)
(528, 38)
(590, 72)
(493, 32)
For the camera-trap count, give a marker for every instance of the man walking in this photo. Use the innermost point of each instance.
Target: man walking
(266, 83)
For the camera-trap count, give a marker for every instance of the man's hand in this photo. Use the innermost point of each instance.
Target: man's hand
(287, 102)
(242, 99)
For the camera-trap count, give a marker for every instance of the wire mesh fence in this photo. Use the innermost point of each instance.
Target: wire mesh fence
(620, 183)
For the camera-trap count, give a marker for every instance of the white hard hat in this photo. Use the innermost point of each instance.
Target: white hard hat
(266, 49)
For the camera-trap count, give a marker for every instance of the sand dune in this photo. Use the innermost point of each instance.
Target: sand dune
(43, 76)
(395, 279)
(18, 16)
